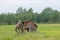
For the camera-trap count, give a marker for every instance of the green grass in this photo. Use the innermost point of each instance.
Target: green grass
(44, 32)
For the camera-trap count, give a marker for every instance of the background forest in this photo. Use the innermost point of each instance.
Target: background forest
(48, 15)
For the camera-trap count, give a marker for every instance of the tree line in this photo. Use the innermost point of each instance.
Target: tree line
(48, 15)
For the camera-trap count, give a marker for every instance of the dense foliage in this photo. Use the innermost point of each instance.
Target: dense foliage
(48, 15)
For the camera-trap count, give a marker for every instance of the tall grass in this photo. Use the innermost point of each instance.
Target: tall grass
(44, 32)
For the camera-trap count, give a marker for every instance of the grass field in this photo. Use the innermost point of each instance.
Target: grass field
(44, 32)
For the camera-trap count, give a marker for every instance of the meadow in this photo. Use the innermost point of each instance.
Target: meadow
(44, 32)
